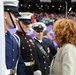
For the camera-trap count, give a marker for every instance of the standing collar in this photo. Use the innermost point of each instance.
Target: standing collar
(38, 40)
(20, 33)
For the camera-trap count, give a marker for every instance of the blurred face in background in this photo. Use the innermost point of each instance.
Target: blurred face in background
(48, 35)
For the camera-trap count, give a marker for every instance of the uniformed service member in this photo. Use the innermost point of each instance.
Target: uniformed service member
(28, 49)
(11, 46)
(42, 50)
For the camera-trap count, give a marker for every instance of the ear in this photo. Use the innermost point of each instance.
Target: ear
(33, 31)
(5, 15)
(17, 23)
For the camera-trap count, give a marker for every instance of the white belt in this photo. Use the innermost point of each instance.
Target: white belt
(8, 71)
(29, 63)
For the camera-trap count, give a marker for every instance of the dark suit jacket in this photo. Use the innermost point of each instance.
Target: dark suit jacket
(50, 45)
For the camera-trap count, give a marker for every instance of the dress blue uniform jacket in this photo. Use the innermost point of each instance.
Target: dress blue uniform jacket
(12, 51)
(28, 51)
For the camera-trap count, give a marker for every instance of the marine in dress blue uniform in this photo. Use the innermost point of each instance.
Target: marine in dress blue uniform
(11, 46)
(27, 47)
(42, 50)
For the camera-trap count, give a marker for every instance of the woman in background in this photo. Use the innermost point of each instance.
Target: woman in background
(64, 63)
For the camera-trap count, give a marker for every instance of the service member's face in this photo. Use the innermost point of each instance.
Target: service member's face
(8, 20)
(26, 27)
(38, 34)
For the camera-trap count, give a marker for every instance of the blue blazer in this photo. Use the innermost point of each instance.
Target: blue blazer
(50, 44)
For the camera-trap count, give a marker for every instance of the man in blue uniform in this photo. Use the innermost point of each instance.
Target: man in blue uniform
(11, 46)
(42, 50)
(27, 47)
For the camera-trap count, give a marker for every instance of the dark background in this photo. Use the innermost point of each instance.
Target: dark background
(30, 5)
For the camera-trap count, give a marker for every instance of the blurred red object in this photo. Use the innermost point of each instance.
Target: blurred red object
(33, 20)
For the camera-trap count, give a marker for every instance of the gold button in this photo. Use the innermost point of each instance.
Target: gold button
(29, 45)
(13, 50)
(27, 41)
(13, 59)
(23, 34)
(31, 54)
(45, 68)
(31, 58)
(44, 62)
(7, 9)
(23, 47)
(30, 49)
(32, 43)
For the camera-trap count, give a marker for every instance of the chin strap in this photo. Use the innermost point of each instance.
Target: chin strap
(21, 27)
(12, 20)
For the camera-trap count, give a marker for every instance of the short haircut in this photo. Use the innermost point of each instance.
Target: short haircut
(45, 32)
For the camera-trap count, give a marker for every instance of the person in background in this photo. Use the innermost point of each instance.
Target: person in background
(11, 45)
(65, 35)
(27, 47)
(42, 50)
(49, 43)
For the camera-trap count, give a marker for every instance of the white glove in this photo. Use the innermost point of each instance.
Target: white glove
(37, 72)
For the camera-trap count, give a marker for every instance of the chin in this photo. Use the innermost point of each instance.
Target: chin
(26, 31)
(39, 38)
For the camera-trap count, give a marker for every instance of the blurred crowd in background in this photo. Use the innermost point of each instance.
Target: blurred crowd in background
(48, 20)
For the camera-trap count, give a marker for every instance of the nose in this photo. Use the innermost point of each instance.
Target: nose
(16, 20)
